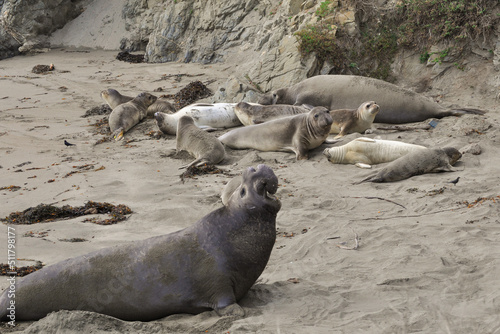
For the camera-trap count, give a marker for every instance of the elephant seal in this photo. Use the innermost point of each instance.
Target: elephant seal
(347, 121)
(206, 148)
(252, 113)
(128, 114)
(299, 133)
(161, 105)
(364, 152)
(209, 265)
(113, 98)
(430, 160)
(205, 115)
(397, 105)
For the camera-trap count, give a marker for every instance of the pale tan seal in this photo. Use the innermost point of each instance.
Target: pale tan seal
(205, 115)
(347, 121)
(253, 113)
(397, 105)
(430, 160)
(298, 134)
(206, 148)
(364, 152)
(113, 98)
(128, 114)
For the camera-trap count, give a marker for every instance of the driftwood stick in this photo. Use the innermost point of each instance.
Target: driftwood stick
(405, 127)
(380, 198)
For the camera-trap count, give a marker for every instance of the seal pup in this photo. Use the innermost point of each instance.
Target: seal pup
(161, 105)
(113, 98)
(209, 265)
(205, 115)
(430, 160)
(397, 105)
(128, 114)
(298, 134)
(364, 152)
(206, 148)
(253, 113)
(347, 121)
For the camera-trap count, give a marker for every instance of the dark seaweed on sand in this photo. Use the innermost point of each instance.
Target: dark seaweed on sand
(47, 213)
(5, 269)
(194, 91)
(193, 171)
(103, 109)
(131, 58)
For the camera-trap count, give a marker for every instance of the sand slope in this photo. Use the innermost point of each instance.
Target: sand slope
(426, 262)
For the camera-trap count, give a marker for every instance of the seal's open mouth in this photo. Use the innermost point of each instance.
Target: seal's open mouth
(265, 181)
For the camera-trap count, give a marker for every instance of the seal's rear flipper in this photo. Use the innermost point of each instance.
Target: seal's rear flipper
(463, 111)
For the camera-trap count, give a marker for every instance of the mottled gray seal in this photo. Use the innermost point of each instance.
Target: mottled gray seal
(161, 105)
(209, 265)
(113, 98)
(299, 133)
(397, 105)
(430, 160)
(252, 113)
(207, 149)
(364, 152)
(127, 115)
(347, 121)
(205, 115)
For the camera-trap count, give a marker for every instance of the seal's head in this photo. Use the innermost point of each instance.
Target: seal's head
(257, 190)
(146, 99)
(275, 97)
(453, 154)
(166, 123)
(321, 121)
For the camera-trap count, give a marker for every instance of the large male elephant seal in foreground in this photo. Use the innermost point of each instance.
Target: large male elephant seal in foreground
(397, 105)
(209, 265)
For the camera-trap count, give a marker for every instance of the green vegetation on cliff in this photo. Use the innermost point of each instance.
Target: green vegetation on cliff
(415, 24)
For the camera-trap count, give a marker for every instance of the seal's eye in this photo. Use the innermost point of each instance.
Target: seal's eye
(368, 105)
(316, 116)
(243, 192)
(328, 111)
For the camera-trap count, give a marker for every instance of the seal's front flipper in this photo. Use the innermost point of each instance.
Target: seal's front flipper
(209, 128)
(332, 141)
(231, 310)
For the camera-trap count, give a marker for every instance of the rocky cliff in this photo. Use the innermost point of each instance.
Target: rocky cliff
(258, 38)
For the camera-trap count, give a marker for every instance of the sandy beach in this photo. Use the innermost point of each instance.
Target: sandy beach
(428, 259)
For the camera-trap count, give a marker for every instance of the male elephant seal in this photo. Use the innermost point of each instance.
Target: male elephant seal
(397, 105)
(206, 116)
(347, 121)
(209, 265)
(299, 133)
(128, 114)
(252, 113)
(364, 152)
(430, 160)
(113, 98)
(206, 148)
